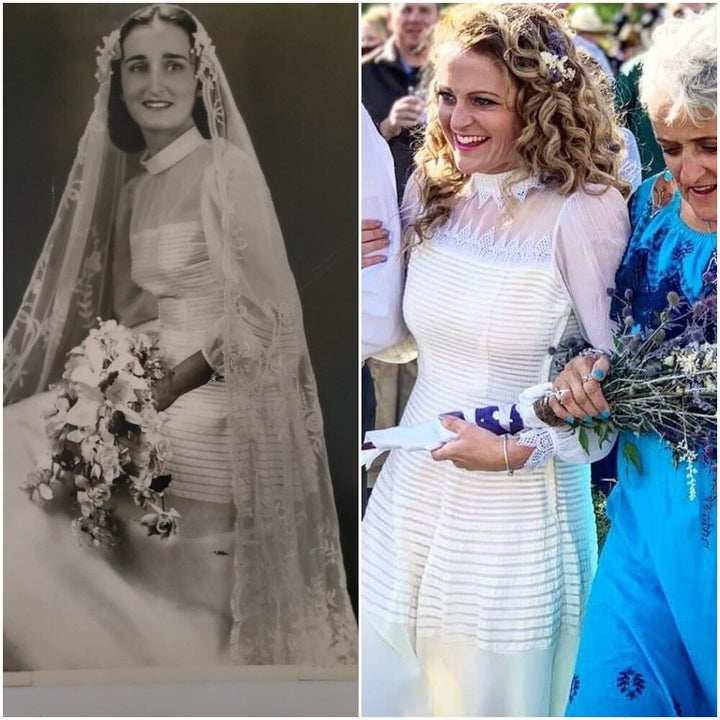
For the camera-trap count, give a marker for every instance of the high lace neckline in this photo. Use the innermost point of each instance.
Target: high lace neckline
(178, 149)
(491, 186)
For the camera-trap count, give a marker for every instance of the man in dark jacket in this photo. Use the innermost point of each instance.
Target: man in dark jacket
(391, 77)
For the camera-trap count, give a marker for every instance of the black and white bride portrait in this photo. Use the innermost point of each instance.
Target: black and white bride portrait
(180, 382)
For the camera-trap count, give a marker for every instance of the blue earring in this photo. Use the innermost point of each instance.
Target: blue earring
(667, 175)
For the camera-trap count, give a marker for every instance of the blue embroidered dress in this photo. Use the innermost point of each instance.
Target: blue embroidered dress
(648, 642)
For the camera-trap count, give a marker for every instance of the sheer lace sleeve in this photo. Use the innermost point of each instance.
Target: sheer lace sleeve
(591, 234)
(411, 205)
(590, 237)
(133, 307)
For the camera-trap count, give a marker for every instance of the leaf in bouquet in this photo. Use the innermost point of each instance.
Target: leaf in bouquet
(583, 439)
(160, 483)
(116, 424)
(129, 467)
(630, 453)
(604, 429)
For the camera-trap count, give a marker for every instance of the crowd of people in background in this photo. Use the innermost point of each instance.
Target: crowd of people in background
(617, 45)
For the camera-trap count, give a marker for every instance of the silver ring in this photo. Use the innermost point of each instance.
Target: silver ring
(592, 352)
(560, 393)
(586, 378)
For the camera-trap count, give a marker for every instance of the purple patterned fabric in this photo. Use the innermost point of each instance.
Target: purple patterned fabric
(499, 419)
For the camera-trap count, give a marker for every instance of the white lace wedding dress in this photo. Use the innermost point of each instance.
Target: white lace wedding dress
(473, 583)
(149, 601)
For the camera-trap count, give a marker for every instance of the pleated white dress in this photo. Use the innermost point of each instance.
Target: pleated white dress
(148, 601)
(170, 260)
(473, 583)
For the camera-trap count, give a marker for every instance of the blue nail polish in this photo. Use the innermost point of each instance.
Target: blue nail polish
(605, 415)
(598, 374)
(570, 420)
(587, 419)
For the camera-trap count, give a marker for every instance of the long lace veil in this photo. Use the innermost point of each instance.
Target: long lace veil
(289, 604)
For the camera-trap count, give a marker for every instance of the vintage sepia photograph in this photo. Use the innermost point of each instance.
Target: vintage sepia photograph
(180, 293)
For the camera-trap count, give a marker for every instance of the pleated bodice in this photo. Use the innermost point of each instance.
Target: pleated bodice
(170, 260)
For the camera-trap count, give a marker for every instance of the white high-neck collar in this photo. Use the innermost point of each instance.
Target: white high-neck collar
(491, 186)
(178, 149)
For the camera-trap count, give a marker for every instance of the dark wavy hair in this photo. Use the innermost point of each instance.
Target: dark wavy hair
(125, 133)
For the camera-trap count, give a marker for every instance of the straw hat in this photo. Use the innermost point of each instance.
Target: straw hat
(586, 19)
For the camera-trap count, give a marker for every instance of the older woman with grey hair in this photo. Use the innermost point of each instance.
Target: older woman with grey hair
(648, 643)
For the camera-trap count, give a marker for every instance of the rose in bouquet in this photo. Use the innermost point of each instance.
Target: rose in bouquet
(104, 434)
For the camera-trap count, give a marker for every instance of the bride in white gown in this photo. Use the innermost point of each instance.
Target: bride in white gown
(475, 576)
(189, 250)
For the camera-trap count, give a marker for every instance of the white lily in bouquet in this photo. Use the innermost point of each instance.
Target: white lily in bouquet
(104, 435)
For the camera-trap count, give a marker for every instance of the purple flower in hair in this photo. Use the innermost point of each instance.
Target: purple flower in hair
(556, 43)
(554, 61)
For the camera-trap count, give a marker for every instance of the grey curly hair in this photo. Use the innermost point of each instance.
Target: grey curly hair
(679, 75)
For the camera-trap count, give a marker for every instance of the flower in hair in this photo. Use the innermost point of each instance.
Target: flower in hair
(106, 54)
(204, 50)
(557, 43)
(554, 68)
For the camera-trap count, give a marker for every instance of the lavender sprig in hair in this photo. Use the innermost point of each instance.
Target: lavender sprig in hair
(554, 61)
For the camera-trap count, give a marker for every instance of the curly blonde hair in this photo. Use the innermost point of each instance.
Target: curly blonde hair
(569, 135)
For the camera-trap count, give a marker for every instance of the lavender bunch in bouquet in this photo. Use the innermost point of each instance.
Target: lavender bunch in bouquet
(104, 435)
(662, 380)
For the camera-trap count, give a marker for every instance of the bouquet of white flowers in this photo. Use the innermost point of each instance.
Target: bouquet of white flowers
(104, 434)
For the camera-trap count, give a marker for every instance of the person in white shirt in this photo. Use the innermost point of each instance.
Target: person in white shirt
(383, 270)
